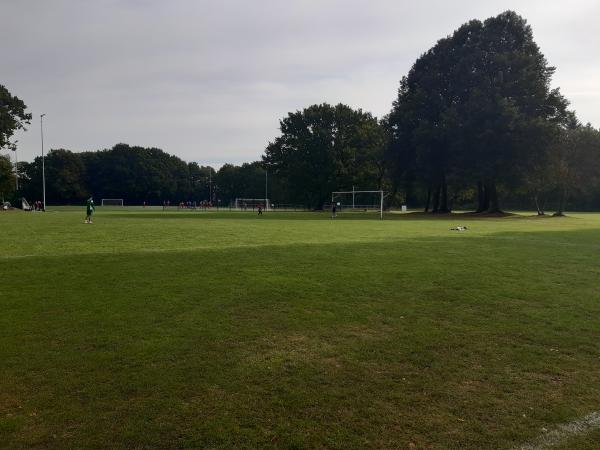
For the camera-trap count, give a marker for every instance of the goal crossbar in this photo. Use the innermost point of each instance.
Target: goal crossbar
(241, 203)
(112, 202)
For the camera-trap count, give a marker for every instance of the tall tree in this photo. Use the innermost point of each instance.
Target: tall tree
(7, 179)
(324, 148)
(12, 117)
(511, 114)
(65, 177)
(478, 105)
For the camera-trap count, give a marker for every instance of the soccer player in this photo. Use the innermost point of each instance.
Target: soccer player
(260, 208)
(333, 210)
(89, 210)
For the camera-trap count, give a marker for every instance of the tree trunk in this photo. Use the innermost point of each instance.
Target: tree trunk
(392, 196)
(483, 200)
(409, 197)
(494, 206)
(444, 196)
(562, 199)
(436, 199)
(452, 201)
(428, 198)
(538, 207)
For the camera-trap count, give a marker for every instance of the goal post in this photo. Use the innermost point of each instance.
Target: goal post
(363, 200)
(253, 203)
(112, 202)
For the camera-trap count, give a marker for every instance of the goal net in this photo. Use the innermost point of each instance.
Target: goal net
(25, 205)
(359, 201)
(112, 202)
(252, 203)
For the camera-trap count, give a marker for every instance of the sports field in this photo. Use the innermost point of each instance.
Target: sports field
(153, 329)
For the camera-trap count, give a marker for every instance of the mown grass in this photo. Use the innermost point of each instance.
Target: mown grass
(292, 330)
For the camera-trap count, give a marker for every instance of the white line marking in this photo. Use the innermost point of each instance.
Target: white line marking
(578, 427)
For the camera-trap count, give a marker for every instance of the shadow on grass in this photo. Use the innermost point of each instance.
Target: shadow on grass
(326, 215)
(238, 215)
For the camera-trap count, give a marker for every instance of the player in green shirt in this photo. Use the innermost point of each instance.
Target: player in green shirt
(89, 210)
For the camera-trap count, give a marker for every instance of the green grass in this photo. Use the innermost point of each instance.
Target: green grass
(292, 330)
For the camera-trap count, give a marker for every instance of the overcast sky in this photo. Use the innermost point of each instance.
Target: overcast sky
(209, 80)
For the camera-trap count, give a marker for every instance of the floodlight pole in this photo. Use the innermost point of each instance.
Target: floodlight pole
(43, 164)
(381, 206)
(352, 196)
(266, 196)
(16, 170)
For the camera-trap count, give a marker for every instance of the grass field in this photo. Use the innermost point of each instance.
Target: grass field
(292, 330)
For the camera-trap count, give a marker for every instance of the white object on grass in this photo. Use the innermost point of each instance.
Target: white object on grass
(25, 206)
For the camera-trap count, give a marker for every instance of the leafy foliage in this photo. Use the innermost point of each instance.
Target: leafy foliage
(324, 148)
(477, 106)
(7, 178)
(12, 117)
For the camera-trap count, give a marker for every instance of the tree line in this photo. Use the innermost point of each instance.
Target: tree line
(137, 175)
(475, 124)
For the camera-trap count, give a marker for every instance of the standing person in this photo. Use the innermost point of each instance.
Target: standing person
(333, 210)
(260, 207)
(89, 210)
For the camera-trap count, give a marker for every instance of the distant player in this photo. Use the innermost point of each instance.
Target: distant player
(334, 210)
(260, 208)
(89, 210)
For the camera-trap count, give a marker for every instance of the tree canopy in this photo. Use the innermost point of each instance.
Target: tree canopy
(477, 107)
(7, 179)
(323, 148)
(12, 117)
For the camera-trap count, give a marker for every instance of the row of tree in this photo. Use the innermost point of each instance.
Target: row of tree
(475, 121)
(475, 124)
(137, 175)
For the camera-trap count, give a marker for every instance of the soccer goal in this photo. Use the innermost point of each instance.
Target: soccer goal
(252, 203)
(112, 202)
(25, 206)
(359, 200)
